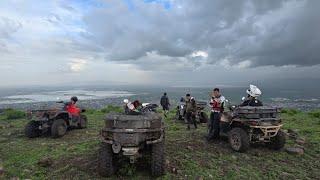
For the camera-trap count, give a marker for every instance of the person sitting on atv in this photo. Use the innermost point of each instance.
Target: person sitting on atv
(253, 92)
(132, 108)
(71, 108)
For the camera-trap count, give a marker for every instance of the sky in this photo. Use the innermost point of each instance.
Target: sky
(159, 42)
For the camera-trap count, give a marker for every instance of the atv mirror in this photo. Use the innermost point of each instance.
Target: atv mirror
(243, 98)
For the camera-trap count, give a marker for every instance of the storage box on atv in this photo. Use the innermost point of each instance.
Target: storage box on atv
(121, 121)
(260, 114)
(132, 136)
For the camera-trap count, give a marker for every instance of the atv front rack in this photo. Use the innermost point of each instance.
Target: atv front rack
(268, 131)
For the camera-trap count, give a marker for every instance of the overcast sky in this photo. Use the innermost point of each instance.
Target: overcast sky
(169, 42)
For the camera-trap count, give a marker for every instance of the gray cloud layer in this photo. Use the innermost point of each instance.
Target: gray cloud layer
(264, 32)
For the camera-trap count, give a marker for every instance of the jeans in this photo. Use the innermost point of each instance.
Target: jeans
(214, 126)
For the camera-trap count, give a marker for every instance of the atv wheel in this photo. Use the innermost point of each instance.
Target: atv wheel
(83, 122)
(278, 141)
(178, 116)
(58, 128)
(158, 159)
(239, 140)
(203, 117)
(32, 129)
(105, 160)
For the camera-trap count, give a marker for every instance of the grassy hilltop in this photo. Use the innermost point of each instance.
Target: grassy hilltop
(188, 155)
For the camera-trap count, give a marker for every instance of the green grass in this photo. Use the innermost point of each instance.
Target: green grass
(189, 156)
(13, 114)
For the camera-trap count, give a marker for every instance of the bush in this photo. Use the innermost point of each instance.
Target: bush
(90, 111)
(290, 112)
(314, 114)
(111, 108)
(14, 114)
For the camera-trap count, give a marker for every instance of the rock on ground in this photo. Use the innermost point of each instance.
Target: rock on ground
(301, 141)
(45, 162)
(295, 150)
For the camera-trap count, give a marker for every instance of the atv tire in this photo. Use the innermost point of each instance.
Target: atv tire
(58, 128)
(239, 140)
(105, 160)
(83, 122)
(32, 129)
(157, 159)
(278, 141)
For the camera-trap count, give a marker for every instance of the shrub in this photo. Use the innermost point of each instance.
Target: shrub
(111, 108)
(90, 111)
(290, 112)
(14, 114)
(314, 114)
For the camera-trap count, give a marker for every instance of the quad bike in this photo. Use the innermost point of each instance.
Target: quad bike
(201, 115)
(148, 107)
(54, 121)
(248, 125)
(132, 137)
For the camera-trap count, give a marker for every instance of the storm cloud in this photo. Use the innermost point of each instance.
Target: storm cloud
(169, 42)
(255, 33)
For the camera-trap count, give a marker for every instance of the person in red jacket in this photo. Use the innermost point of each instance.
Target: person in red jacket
(71, 107)
(217, 107)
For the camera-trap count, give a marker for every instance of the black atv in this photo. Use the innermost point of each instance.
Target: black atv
(54, 121)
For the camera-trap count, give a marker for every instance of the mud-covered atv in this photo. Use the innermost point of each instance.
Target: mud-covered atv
(54, 121)
(201, 115)
(247, 125)
(132, 136)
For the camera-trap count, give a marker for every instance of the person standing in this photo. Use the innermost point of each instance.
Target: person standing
(191, 109)
(217, 108)
(165, 103)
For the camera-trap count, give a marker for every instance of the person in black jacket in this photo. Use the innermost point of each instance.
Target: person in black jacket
(165, 103)
(252, 99)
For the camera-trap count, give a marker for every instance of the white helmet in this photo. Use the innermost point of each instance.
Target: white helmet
(126, 101)
(254, 91)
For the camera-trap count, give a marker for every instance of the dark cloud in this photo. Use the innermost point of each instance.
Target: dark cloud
(266, 32)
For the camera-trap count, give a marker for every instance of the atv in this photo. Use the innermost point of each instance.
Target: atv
(55, 121)
(132, 137)
(251, 125)
(201, 116)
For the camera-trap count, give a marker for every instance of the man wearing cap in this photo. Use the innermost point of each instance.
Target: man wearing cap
(191, 110)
